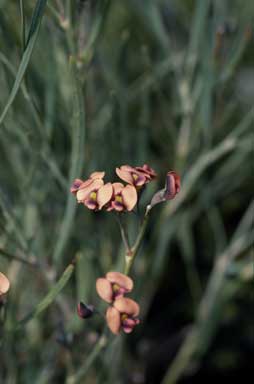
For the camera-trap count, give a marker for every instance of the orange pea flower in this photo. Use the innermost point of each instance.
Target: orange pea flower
(122, 315)
(137, 176)
(93, 193)
(123, 198)
(4, 284)
(113, 286)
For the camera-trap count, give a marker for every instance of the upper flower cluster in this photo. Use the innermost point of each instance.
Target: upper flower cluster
(97, 195)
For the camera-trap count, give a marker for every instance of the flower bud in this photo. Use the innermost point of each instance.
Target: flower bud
(85, 311)
(172, 187)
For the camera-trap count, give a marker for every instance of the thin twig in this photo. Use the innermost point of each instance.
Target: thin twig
(130, 257)
(78, 376)
(31, 262)
(124, 234)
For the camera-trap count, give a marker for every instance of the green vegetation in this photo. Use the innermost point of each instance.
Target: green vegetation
(89, 85)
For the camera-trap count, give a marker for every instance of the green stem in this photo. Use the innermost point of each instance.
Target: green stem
(23, 25)
(69, 30)
(31, 262)
(76, 378)
(130, 256)
(49, 298)
(124, 234)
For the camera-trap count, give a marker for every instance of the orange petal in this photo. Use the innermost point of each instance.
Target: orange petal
(117, 187)
(4, 284)
(85, 183)
(97, 175)
(120, 279)
(124, 175)
(126, 305)
(104, 289)
(130, 197)
(113, 320)
(83, 192)
(127, 167)
(104, 195)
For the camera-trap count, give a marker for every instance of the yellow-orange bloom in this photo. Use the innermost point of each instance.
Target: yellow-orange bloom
(124, 198)
(113, 285)
(122, 315)
(93, 193)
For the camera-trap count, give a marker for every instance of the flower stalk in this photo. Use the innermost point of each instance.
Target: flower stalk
(124, 234)
(132, 253)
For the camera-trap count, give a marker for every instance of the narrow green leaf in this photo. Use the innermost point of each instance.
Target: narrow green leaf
(198, 25)
(50, 297)
(235, 56)
(23, 24)
(36, 18)
(32, 37)
(46, 154)
(77, 157)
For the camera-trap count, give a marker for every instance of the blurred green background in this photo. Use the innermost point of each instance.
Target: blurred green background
(103, 83)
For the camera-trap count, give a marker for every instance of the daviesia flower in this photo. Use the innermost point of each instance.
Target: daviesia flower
(124, 198)
(137, 176)
(122, 315)
(4, 284)
(114, 285)
(93, 193)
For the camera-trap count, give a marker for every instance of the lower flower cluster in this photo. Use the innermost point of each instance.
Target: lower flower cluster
(123, 311)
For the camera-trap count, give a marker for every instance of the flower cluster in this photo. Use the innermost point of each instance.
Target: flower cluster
(122, 312)
(97, 195)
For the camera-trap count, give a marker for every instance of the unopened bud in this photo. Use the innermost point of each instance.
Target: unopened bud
(172, 187)
(85, 311)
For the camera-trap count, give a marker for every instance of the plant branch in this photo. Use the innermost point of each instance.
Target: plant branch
(130, 257)
(124, 234)
(31, 261)
(98, 347)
